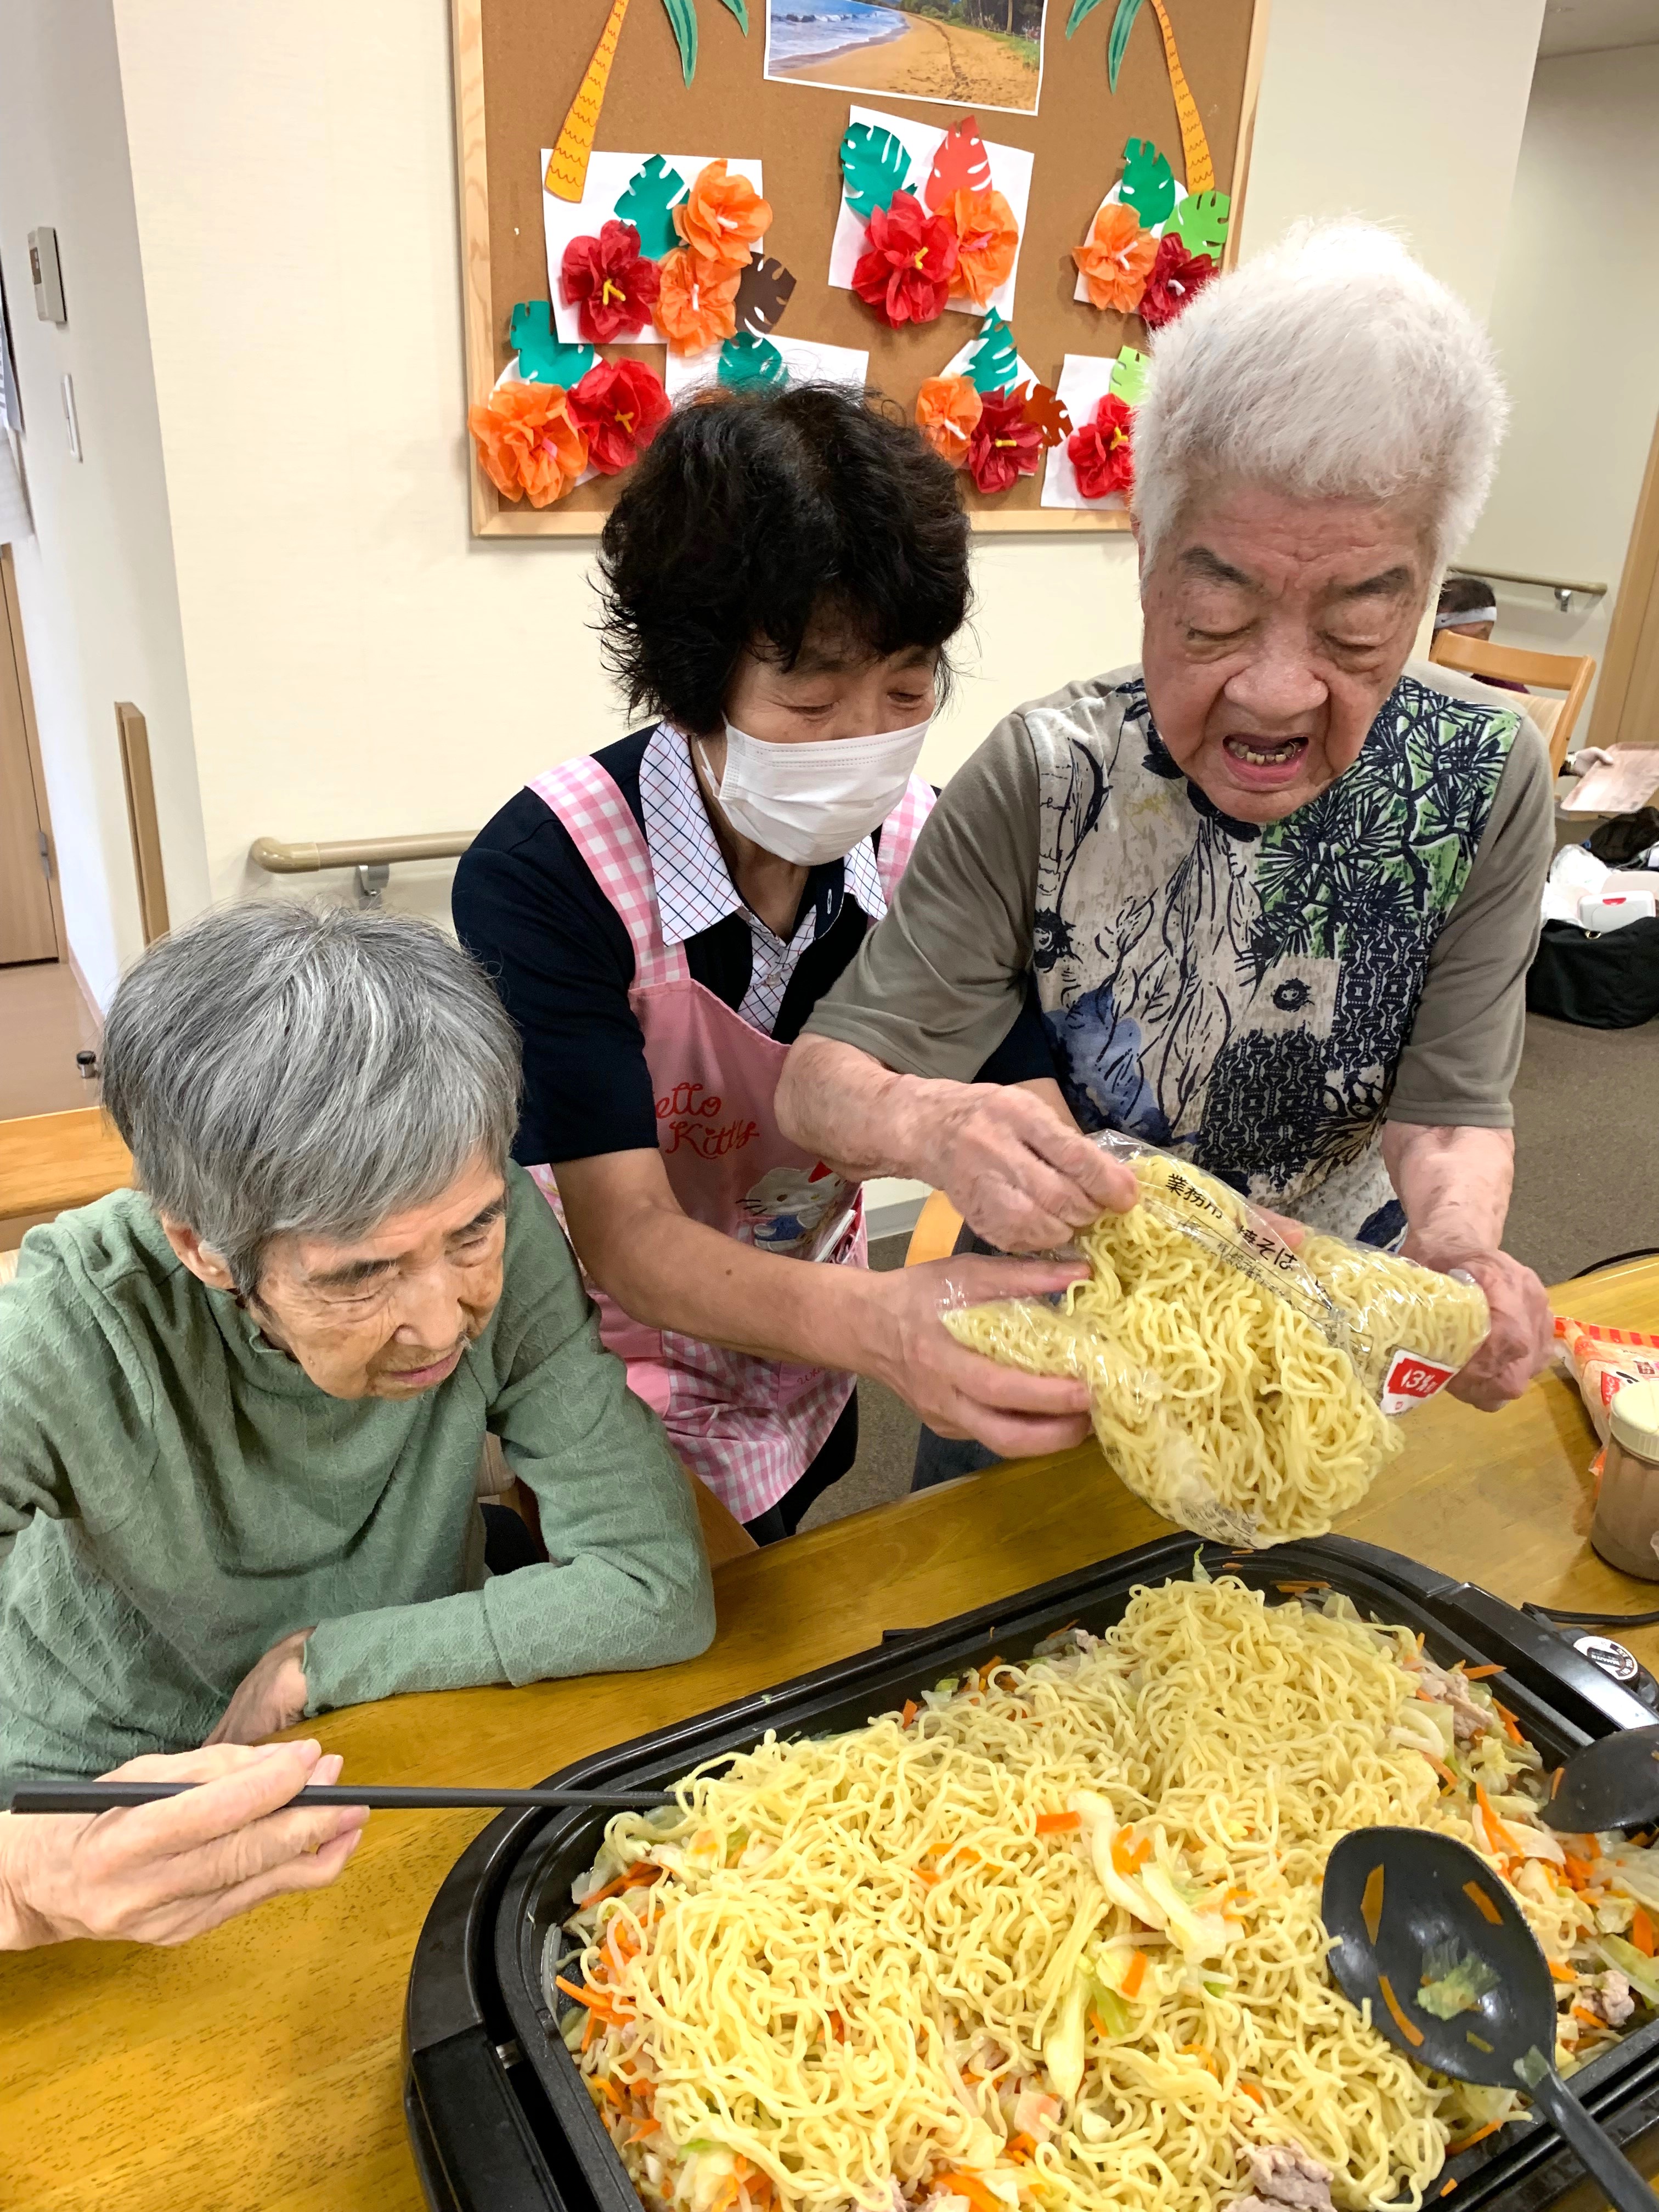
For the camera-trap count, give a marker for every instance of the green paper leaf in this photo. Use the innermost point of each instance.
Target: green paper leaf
(746, 360)
(1080, 8)
(1123, 23)
(1200, 222)
(647, 197)
(740, 9)
(1147, 184)
(544, 358)
(683, 15)
(873, 167)
(1129, 376)
(994, 362)
(764, 290)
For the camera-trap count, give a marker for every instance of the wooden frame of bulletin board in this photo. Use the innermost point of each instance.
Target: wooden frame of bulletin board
(518, 63)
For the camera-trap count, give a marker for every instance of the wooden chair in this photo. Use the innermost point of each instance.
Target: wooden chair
(1567, 672)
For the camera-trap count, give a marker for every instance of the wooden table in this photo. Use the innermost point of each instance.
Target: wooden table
(258, 2069)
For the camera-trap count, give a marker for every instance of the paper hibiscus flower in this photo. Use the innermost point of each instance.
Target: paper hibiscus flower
(987, 238)
(620, 406)
(696, 301)
(1176, 276)
(1002, 444)
(905, 274)
(613, 288)
(721, 217)
(1117, 259)
(1101, 452)
(948, 409)
(529, 441)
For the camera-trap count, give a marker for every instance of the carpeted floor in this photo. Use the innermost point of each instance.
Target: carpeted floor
(1586, 1189)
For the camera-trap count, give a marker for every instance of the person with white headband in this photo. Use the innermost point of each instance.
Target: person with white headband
(782, 575)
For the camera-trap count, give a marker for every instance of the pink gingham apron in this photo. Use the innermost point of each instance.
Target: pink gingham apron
(748, 1428)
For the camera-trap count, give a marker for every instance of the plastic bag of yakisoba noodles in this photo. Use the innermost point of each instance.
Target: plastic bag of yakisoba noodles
(1245, 1385)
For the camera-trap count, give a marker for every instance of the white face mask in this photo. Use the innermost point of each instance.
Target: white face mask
(812, 802)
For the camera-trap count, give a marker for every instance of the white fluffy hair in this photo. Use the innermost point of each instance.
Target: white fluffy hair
(1333, 367)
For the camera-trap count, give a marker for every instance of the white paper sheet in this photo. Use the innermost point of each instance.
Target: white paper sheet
(608, 178)
(1010, 175)
(806, 362)
(1084, 380)
(957, 364)
(1622, 788)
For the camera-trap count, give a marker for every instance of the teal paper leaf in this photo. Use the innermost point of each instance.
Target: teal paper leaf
(994, 364)
(647, 197)
(1123, 23)
(1147, 184)
(873, 167)
(746, 360)
(544, 358)
(740, 9)
(1081, 9)
(683, 15)
(1200, 222)
(1129, 376)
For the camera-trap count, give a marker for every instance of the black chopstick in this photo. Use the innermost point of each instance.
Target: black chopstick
(97, 1796)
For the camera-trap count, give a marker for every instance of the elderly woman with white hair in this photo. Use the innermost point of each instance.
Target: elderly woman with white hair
(1274, 887)
(242, 1410)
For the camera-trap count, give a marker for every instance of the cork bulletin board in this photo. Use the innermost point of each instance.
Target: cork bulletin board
(518, 63)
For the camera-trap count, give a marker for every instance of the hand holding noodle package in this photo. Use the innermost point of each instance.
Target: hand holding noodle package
(1241, 1387)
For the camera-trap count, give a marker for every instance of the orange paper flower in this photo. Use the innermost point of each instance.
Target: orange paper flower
(1117, 259)
(987, 238)
(695, 300)
(721, 217)
(527, 442)
(948, 409)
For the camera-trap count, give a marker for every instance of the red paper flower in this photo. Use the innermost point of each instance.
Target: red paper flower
(1176, 276)
(906, 274)
(1101, 452)
(613, 286)
(1003, 444)
(621, 406)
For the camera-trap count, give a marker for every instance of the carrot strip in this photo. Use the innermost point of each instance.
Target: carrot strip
(1100, 2027)
(640, 1875)
(1641, 1933)
(1413, 2034)
(1252, 2090)
(593, 1997)
(1577, 1870)
(970, 2186)
(1481, 1673)
(1482, 1902)
(1371, 1903)
(1511, 1726)
(1590, 2019)
(1501, 1838)
(911, 1708)
(611, 2090)
(1467, 2142)
(1129, 1858)
(1052, 1824)
(1134, 1973)
(1559, 1970)
(1021, 2147)
(1447, 2187)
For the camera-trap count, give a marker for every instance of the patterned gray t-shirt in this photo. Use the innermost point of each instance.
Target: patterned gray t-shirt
(1256, 999)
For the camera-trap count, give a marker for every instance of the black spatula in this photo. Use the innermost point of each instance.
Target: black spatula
(1397, 1900)
(1611, 1784)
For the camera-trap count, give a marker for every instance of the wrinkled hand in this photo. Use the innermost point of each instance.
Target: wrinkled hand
(1522, 1341)
(270, 1696)
(160, 1872)
(1020, 1175)
(960, 1393)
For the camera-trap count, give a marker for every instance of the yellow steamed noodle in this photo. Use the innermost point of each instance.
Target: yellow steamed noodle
(899, 1967)
(1234, 1384)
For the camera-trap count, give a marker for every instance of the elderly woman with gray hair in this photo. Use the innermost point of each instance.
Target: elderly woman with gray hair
(1274, 887)
(242, 1409)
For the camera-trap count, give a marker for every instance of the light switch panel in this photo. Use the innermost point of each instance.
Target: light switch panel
(47, 274)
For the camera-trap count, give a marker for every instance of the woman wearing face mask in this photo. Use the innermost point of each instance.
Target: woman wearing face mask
(781, 575)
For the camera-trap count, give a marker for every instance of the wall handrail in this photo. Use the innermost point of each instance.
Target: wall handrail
(1515, 576)
(279, 858)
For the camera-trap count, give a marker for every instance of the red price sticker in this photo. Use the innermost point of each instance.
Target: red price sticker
(1411, 1379)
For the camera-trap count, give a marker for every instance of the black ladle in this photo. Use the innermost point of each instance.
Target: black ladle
(1393, 1895)
(1612, 1783)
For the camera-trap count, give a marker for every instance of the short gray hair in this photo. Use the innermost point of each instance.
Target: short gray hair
(1333, 367)
(278, 1068)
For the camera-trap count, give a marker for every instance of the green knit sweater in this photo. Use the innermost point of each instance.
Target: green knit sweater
(176, 1496)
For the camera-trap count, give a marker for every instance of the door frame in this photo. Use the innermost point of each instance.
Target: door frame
(1637, 604)
(37, 767)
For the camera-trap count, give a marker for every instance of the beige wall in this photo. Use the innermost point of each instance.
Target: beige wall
(356, 662)
(95, 581)
(1581, 257)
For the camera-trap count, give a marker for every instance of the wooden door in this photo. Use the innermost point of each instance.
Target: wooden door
(29, 929)
(1627, 703)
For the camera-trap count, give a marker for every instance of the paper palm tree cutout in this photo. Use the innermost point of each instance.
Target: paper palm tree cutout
(1194, 146)
(566, 169)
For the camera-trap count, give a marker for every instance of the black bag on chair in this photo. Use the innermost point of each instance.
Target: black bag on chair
(1608, 981)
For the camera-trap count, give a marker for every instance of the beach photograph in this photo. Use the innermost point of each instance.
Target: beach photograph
(965, 53)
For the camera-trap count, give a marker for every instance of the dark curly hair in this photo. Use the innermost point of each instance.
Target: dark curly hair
(753, 515)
